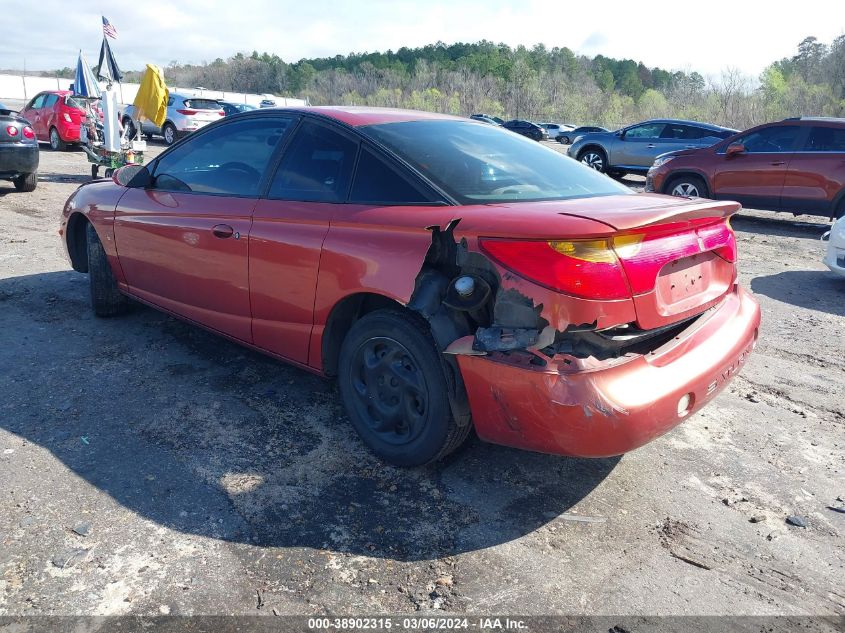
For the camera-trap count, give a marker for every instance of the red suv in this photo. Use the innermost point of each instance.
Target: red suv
(55, 116)
(795, 165)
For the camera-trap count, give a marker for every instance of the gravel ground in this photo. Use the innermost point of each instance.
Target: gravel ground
(149, 467)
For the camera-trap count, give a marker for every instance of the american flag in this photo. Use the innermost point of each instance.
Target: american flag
(108, 29)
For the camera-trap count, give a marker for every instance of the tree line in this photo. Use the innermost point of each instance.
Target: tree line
(536, 83)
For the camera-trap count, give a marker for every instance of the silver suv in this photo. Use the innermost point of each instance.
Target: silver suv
(185, 114)
(633, 149)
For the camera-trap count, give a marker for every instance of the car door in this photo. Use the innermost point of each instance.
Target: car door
(49, 113)
(816, 172)
(636, 146)
(32, 113)
(755, 176)
(183, 241)
(288, 229)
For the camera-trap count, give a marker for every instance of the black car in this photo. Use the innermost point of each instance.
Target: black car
(486, 118)
(526, 128)
(230, 108)
(567, 138)
(18, 150)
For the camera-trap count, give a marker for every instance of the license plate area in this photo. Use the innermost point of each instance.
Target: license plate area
(685, 278)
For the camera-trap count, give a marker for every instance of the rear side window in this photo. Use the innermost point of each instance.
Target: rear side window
(50, 101)
(316, 167)
(779, 138)
(688, 132)
(377, 181)
(228, 160)
(825, 139)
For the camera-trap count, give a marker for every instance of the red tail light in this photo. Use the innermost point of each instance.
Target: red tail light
(618, 268)
(643, 254)
(221, 113)
(28, 132)
(12, 130)
(187, 112)
(583, 268)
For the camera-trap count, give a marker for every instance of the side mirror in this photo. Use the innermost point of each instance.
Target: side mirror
(734, 149)
(132, 176)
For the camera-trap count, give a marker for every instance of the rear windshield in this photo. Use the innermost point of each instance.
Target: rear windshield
(75, 102)
(477, 163)
(202, 104)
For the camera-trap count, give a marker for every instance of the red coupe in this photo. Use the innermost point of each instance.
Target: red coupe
(450, 274)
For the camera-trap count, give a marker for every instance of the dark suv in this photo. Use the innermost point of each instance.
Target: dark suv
(526, 128)
(795, 165)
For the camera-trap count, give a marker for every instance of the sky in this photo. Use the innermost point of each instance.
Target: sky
(707, 37)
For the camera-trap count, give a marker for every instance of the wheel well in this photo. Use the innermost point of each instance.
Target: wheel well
(680, 174)
(77, 242)
(343, 315)
(593, 147)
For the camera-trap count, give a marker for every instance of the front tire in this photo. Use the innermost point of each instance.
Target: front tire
(687, 187)
(26, 182)
(106, 299)
(56, 142)
(169, 133)
(393, 387)
(594, 158)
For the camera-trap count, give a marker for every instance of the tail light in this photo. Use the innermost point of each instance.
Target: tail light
(221, 113)
(28, 132)
(187, 112)
(616, 268)
(12, 130)
(642, 255)
(66, 117)
(583, 268)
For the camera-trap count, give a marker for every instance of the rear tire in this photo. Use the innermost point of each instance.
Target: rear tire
(687, 187)
(95, 171)
(56, 142)
(26, 182)
(564, 140)
(106, 299)
(393, 387)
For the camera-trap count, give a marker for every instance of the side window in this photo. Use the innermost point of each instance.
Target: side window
(377, 181)
(316, 167)
(825, 139)
(38, 102)
(169, 101)
(778, 138)
(649, 130)
(228, 160)
(50, 100)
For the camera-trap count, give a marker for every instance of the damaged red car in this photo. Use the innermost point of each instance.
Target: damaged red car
(449, 274)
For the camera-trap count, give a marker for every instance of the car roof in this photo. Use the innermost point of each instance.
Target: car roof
(363, 115)
(817, 119)
(708, 126)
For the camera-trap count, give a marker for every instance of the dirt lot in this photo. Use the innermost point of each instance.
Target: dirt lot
(149, 467)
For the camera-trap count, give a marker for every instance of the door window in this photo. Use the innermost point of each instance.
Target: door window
(825, 139)
(779, 138)
(648, 130)
(36, 103)
(50, 100)
(227, 160)
(316, 167)
(377, 181)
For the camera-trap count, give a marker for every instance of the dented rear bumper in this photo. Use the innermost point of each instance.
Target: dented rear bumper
(612, 407)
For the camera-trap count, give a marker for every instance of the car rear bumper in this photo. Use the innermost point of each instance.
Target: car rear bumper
(615, 409)
(69, 132)
(17, 159)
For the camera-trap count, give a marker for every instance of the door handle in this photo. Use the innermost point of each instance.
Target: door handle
(651, 146)
(222, 231)
(779, 162)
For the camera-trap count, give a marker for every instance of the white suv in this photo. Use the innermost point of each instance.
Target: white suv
(185, 114)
